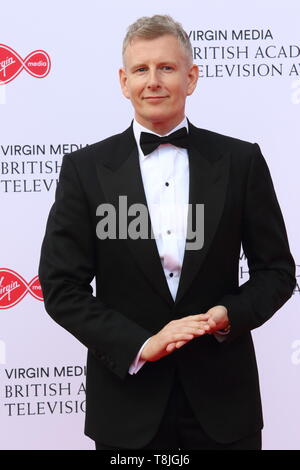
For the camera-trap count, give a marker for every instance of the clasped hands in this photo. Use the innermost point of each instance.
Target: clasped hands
(176, 333)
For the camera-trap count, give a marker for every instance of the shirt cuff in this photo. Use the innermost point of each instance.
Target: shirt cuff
(137, 362)
(221, 335)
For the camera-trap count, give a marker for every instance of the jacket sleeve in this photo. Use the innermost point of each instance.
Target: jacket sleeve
(264, 240)
(66, 270)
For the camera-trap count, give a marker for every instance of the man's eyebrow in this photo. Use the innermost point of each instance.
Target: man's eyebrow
(168, 62)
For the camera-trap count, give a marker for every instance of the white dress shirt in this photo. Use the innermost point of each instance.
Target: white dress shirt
(165, 175)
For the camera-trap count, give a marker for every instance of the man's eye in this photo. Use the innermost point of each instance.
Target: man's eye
(141, 69)
(167, 67)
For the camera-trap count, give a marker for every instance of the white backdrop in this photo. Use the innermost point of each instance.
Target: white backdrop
(247, 89)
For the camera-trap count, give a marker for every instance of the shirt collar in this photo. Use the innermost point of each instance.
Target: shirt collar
(138, 128)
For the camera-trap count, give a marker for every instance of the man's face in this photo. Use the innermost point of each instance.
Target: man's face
(157, 78)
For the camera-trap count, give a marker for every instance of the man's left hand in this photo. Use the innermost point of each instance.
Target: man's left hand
(217, 320)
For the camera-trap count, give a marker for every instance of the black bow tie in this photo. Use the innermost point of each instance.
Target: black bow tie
(150, 142)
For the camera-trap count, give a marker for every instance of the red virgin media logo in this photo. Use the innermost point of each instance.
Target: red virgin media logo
(37, 63)
(13, 288)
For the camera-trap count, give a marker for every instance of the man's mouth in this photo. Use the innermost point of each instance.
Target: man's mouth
(153, 98)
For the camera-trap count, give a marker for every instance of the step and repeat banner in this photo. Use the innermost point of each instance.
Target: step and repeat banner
(59, 91)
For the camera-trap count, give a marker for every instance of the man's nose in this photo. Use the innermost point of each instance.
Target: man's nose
(153, 79)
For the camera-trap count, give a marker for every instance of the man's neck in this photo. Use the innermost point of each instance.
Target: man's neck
(161, 128)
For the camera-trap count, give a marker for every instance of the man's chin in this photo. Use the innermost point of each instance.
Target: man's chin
(159, 117)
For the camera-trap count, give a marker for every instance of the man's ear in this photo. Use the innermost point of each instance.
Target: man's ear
(193, 76)
(123, 82)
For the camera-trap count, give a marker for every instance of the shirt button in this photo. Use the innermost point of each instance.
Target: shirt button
(171, 274)
(168, 232)
(167, 184)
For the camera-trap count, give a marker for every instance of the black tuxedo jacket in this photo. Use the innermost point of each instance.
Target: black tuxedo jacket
(132, 302)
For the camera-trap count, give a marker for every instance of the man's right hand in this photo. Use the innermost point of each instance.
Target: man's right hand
(175, 334)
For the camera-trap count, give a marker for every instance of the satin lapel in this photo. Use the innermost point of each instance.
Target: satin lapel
(208, 185)
(120, 175)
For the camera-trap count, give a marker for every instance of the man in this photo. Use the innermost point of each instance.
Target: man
(171, 362)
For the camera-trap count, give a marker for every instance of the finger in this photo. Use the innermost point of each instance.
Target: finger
(170, 347)
(190, 327)
(188, 336)
(200, 328)
(212, 323)
(197, 316)
(178, 337)
(183, 325)
(206, 327)
(201, 316)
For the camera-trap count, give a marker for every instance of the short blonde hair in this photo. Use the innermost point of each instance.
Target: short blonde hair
(152, 27)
